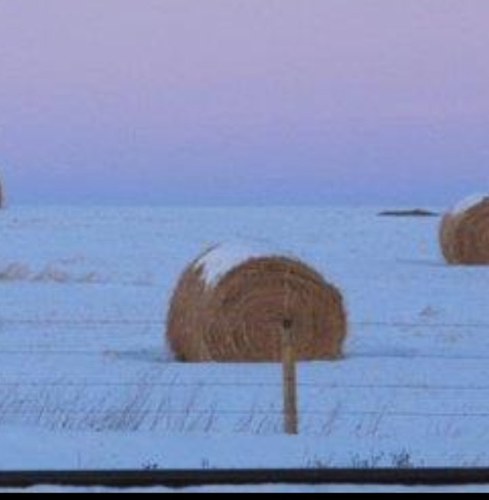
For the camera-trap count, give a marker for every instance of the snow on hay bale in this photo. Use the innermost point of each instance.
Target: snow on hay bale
(464, 232)
(231, 304)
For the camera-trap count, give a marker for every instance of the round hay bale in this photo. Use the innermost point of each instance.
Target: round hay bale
(231, 305)
(464, 232)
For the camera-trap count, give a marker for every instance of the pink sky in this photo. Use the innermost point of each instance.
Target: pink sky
(244, 101)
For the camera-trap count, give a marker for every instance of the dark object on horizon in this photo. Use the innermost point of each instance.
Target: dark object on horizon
(418, 212)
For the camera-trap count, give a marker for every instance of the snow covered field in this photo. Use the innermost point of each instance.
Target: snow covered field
(87, 382)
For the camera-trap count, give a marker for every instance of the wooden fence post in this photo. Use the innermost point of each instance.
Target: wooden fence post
(289, 379)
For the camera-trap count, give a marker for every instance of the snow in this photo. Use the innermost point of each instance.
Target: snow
(86, 380)
(469, 202)
(220, 260)
(32, 448)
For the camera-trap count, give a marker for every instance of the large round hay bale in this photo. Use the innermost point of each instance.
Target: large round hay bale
(231, 305)
(464, 232)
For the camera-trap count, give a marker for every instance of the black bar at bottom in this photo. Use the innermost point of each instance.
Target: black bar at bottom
(188, 478)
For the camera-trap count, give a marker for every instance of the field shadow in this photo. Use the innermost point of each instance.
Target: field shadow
(423, 262)
(155, 355)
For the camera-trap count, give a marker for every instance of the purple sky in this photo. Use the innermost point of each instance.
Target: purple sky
(244, 101)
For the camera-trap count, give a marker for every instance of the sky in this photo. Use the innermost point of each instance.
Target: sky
(244, 102)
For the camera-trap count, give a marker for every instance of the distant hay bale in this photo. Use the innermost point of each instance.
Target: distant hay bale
(464, 232)
(230, 305)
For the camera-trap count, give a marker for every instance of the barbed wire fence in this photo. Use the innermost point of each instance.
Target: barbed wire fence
(210, 385)
(103, 418)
